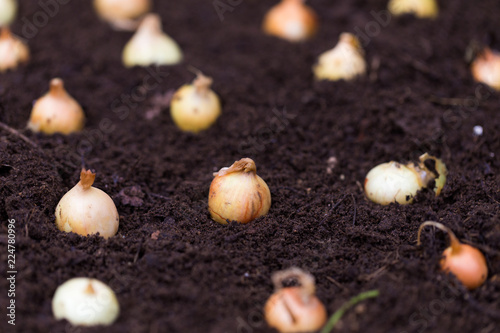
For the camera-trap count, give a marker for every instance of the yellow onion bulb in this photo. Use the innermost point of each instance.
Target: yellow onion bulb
(344, 62)
(86, 210)
(151, 46)
(464, 261)
(56, 112)
(420, 8)
(393, 182)
(8, 10)
(486, 68)
(238, 194)
(294, 309)
(122, 14)
(291, 20)
(195, 107)
(13, 51)
(85, 302)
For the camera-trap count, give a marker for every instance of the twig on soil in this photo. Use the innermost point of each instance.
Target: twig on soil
(15, 132)
(333, 208)
(346, 306)
(335, 282)
(355, 209)
(138, 251)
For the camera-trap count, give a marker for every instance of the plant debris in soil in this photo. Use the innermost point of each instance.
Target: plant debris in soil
(173, 268)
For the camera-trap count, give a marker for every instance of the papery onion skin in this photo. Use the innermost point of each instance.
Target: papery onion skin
(195, 107)
(85, 302)
(392, 182)
(13, 51)
(486, 68)
(151, 46)
(420, 8)
(238, 195)
(122, 15)
(56, 112)
(86, 210)
(8, 11)
(291, 20)
(467, 264)
(344, 62)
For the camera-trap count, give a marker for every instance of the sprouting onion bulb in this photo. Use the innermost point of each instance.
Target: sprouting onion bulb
(294, 309)
(195, 107)
(465, 262)
(86, 210)
(85, 302)
(486, 68)
(122, 15)
(344, 62)
(8, 10)
(420, 8)
(291, 20)
(151, 46)
(238, 194)
(56, 112)
(393, 182)
(13, 51)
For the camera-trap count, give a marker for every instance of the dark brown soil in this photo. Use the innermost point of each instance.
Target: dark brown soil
(199, 276)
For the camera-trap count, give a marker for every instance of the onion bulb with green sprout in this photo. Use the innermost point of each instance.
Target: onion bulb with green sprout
(344, 62)
(86, 210)
(85, 302)
(238, 194)
(13, 51)
(8, 10)
(462, 260)
(394, 182)
(122, 15)
(291, 20)
(151, 46)
(195, 107)
(56, 112)
(419, 8)
(486, 68)
(294, 309)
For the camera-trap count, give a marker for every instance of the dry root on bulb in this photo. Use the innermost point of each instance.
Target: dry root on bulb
(294, 309)
(420, 8)
(151, 46)
(344, 62)
(122, 15)
(486, 68)
(291, 20)
(8, 10)
(85, 302)
(394, 182)
(195, 107)
(86, 210)
(238, 194)
(465, 262)
(56, 112)
(13, 51)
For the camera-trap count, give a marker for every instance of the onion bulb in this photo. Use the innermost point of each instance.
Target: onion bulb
(151, 46)
(86, 210)
(465, 262)
(195, 107)
(8, 10)
(56, 112)
(420, 8)
(85, 302)
(238, 194)
(294, 309)
(291, 20)
(122, 15)
(344, 62)
(12, 50)
(486, 68)
(393, 182)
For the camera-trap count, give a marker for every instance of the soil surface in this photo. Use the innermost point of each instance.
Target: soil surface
(174, 269)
